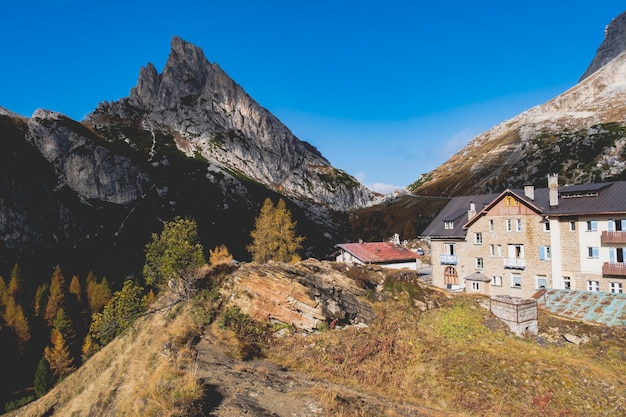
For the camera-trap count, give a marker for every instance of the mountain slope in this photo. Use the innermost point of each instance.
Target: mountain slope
(210, 115)
(580, 135)
(186, 142)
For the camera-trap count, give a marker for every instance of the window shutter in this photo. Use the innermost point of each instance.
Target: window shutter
(542, 252)
(611, 225)
(612, 255)
(595, 252)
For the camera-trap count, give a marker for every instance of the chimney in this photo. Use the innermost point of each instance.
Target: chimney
(553, 185)
(471, 212)
(529, 191)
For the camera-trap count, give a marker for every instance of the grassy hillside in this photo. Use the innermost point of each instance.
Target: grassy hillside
(427, 353)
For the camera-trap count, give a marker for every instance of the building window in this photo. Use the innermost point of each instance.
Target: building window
(546, 226)
(492, 250)
(448, 249)
(478, 238)
(544, 253)
(479, 263)
(516, 281)
(592, 225)
(499, 251)
(572, 225)
(593, 252)
(615, 287)
(491, 225)
(475, 286)
(593, 286)
(567, 283)
(448, 225)
(518, 225)
(496, 281)
(542, 282)
(509, 225)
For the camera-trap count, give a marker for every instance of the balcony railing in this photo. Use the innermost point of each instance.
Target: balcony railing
(447, 259)
(615, 269)
(515, 263)
(613, 237)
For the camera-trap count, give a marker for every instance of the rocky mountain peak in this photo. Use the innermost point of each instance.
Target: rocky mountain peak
(212, 116)
(614, 44)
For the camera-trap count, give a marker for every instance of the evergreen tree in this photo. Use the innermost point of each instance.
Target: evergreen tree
(63, 324)
(99, 295)
(58, 355)
(118, 315)
(16, 282)
(15, 319)
(76, 289)
(174, 257)
(43, 378)
(3, 292)
(274, 235)
(41, 299)
(56, 298)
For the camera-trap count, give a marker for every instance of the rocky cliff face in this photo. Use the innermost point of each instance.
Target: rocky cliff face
(84, 165)
(187, 142)
(614, 43)
(211, 116)
(581, 135)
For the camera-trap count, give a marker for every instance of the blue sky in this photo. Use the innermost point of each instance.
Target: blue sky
(385, 90)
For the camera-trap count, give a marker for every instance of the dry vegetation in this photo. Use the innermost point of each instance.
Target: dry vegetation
(453, 359)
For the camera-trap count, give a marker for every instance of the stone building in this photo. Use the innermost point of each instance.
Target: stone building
(521, 241)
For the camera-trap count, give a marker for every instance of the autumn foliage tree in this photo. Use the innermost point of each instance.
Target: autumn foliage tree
(274, 235)
(220, 255)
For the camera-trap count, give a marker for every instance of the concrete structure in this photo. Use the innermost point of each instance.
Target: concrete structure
(571, 237)
(519, 313)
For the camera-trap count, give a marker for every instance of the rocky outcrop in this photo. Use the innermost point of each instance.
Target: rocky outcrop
(304, 294)
(212, 116)
(88, 168)
(614, 43)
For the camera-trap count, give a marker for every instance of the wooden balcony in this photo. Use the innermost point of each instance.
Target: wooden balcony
(613, 237)
(617, 269)
(447, 259)
(515, 263)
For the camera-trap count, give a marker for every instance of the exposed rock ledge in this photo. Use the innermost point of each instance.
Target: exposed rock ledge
(302, 294)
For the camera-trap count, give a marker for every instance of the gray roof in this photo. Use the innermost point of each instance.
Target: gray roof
(575, 200)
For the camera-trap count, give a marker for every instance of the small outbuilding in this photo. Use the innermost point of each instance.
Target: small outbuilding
(385, 254)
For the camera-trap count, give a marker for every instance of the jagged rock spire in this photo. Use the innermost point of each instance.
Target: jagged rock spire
(614, 44)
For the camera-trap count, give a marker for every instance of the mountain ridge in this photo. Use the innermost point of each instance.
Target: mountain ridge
(578, 134)
(211, 115)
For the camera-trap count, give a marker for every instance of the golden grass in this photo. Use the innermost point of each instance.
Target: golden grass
(150, 371)
(448, 359)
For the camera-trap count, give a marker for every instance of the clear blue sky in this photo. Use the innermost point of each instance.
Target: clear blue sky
(385, 90)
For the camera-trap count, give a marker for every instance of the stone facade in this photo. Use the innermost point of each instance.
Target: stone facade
(525, 245)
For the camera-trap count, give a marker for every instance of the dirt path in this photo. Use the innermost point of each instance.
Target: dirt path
(262, 388)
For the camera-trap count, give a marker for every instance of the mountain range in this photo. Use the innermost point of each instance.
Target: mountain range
(187, 142)
(579, 135)
(190, 142)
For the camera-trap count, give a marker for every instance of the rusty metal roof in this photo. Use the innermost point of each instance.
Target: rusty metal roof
(378, 252)
(591, 306)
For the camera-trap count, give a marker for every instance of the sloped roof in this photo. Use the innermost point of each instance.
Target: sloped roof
(378, 252)
(574, 200)
(478, 276)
